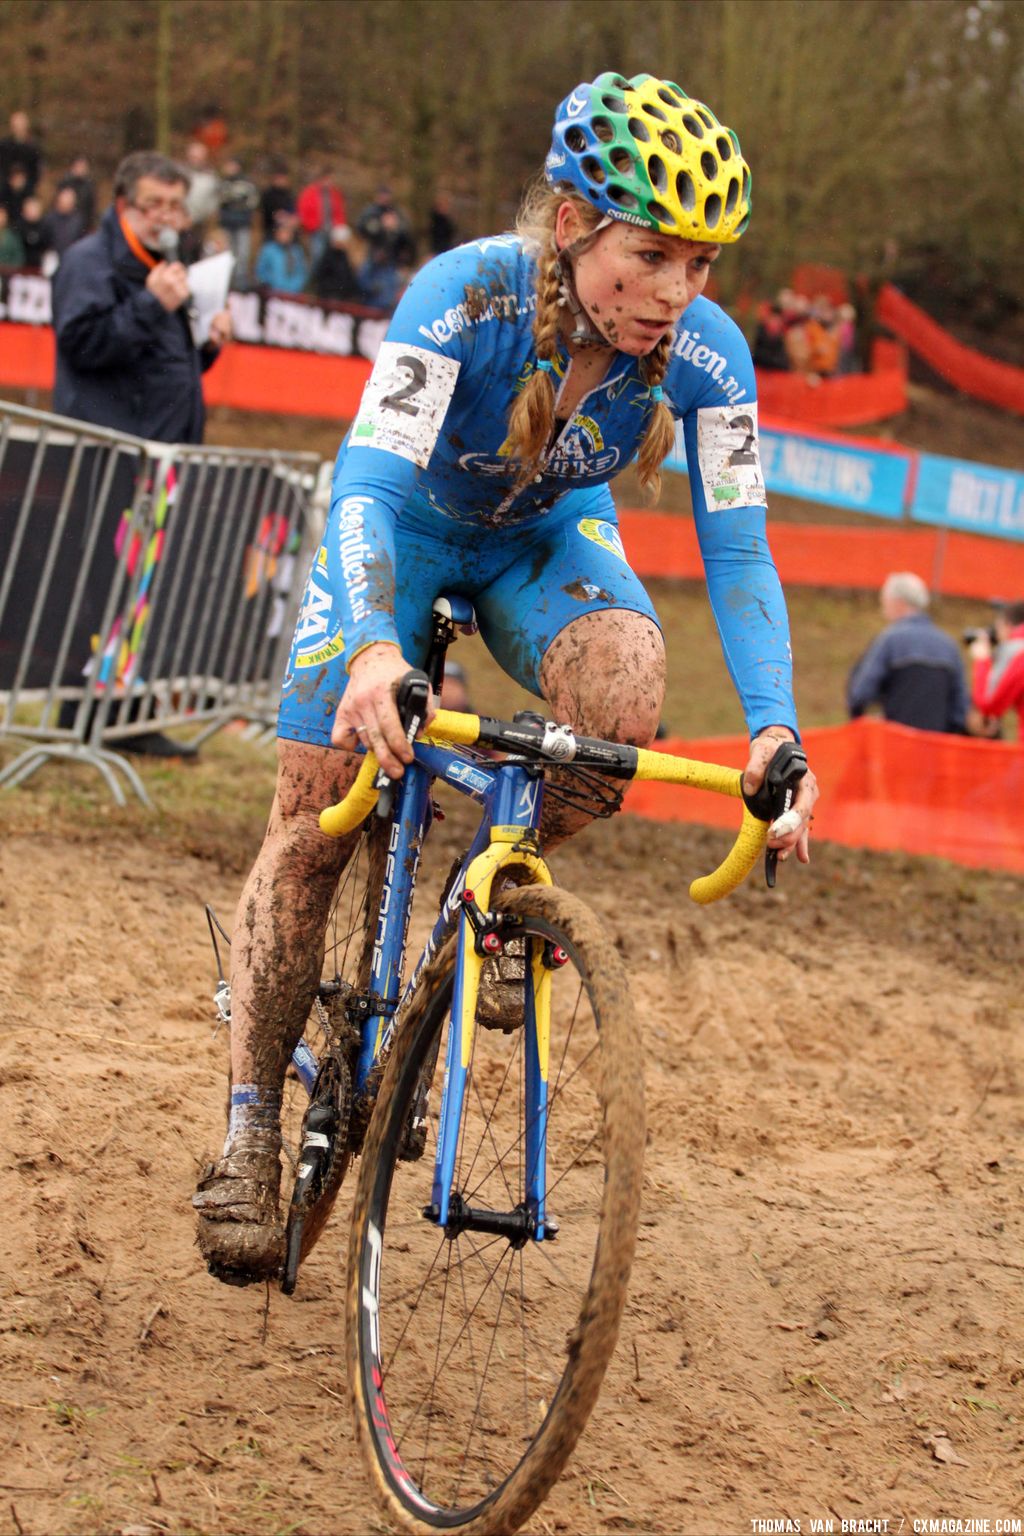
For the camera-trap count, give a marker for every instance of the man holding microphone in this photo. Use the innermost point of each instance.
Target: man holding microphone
(126, 358)
(125, 354)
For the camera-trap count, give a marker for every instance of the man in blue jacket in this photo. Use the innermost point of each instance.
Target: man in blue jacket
(913, 668)
(125, 354)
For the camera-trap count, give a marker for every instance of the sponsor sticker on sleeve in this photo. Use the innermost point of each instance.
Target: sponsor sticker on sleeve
(728, 457)
(404, 402)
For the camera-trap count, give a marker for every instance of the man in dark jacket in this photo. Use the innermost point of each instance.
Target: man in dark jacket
(125, 354)
(913, 668)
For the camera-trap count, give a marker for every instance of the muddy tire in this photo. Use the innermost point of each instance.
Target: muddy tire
(475, 1360)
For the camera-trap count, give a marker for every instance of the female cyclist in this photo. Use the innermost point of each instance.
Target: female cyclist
(518, 376)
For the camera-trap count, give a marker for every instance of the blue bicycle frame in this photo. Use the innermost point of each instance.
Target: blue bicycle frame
(511, 795)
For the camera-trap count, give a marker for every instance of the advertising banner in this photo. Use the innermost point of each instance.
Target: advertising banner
(956, 493)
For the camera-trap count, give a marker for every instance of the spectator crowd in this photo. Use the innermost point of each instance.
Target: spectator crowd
(811, 336)
(285, 236)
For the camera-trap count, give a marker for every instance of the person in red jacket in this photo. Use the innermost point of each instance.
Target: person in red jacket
(998, 681)
(321, 207)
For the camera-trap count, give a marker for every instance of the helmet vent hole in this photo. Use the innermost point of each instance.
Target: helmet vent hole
(732, 197)
(669, 97)
(671, 140)
(685, 191)
(660, 212)
(653, 111)
(705, 117)
(622, 197)
(623, 161)
(593, 170)
(640, 131)
(576, 140)
(712, 210)
(658, 173)
(746, 181)
(709, 165)
(723, 146)
(691, 125)
(619, 83)
(603, 129)
(614, 103)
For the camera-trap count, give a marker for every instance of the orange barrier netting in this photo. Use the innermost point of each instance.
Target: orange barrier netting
(851, 400)
(882, 786)
(830, 555)
(968, 371)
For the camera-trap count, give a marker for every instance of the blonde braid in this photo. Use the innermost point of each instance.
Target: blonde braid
(660, 437)
(532, 417)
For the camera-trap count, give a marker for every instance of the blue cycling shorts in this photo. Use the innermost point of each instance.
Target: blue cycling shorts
(526, 584)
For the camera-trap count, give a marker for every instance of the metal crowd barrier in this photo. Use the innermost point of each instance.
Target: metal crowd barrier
(142, 586)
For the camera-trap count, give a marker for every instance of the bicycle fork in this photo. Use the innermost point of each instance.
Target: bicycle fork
(512, 843)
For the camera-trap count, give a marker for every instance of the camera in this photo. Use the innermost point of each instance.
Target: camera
(978, 633)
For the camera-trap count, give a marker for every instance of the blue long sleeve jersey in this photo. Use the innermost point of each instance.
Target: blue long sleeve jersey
(428, 445)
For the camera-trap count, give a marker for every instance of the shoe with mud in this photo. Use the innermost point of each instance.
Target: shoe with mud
(501, 999)
(240, 1231)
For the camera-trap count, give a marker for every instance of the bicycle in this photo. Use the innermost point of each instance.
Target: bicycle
(498, 1199)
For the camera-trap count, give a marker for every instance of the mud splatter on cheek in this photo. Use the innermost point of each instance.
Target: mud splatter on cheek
(618, 288)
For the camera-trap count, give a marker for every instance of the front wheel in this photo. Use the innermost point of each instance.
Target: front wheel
(475, 1358)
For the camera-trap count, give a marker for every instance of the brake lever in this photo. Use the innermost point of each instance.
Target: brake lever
(412, 699)
(776, 795)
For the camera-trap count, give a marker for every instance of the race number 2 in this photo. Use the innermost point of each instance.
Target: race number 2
(405, 401)
(727, 453)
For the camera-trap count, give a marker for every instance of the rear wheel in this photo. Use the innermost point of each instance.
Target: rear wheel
(475, 1357)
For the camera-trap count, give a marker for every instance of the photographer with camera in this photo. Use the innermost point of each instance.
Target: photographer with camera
(998, 657)
(913, 668)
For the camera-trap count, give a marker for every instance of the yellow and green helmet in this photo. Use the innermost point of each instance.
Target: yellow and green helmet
(643, 151)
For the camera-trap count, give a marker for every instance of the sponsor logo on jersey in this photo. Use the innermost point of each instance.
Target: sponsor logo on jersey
(599, 531)
(461, 317)
(317, 639)
(693, 351)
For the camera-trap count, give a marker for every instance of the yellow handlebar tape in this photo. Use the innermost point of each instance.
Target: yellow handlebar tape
(460, 730)
(344, 817)
(736, 865)
(745, 852)
(664, 769)
(337, 820)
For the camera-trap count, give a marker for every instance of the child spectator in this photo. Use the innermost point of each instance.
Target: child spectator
(281, 264)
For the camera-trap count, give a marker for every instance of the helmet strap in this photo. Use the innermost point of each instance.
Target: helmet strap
(584, 332)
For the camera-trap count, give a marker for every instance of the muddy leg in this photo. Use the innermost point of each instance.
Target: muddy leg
(604, 675)
(276, 953)
(277, 945)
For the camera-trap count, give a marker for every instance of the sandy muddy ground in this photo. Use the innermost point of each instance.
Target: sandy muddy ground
(827, 1310)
